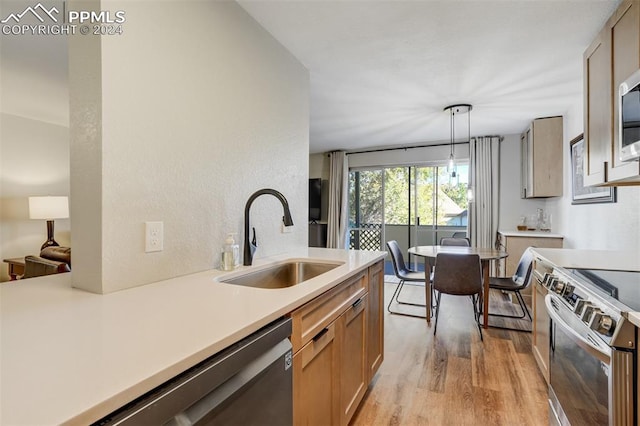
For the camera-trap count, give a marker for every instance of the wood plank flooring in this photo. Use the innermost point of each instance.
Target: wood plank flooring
(454, 378)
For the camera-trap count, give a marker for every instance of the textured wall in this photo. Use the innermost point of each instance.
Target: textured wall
(200, 108)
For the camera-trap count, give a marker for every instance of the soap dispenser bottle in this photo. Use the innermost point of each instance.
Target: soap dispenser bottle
(230, 254)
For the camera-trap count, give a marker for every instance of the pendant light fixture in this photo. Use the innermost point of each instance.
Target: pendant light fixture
(454, 110)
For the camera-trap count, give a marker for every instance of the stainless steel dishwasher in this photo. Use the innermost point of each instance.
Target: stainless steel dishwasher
(249, 383)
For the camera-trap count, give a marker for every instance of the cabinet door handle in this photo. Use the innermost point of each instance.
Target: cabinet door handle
(320, 334)
(357, 303)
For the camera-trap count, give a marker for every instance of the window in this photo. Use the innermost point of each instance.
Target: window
(414, 205)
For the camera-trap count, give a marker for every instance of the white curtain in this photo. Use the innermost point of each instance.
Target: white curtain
(484, 173)
(338, 195)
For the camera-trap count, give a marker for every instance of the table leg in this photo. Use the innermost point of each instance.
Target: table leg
(427, 287)
(13, 274)
(485, 295)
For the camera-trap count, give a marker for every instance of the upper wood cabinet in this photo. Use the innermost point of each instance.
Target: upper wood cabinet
(612, 57)
(597, 108)
(541, 154)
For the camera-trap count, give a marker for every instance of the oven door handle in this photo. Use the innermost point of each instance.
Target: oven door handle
(600, 353)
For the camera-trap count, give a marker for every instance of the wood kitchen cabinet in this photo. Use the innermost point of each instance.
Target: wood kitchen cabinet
(315, 381)
(375, 320)
(337, 345)
(610, 59)
(625, 54)
(515, 243)
(541, 155)
(352, 327)
(541, 324)
(597, 108)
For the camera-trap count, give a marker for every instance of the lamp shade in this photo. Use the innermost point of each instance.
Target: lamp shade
(48, 207)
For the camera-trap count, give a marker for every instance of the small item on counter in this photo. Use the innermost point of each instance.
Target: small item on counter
(522, 224)
(539, 216)
(545, 225)
(230, 254)
(532, 221)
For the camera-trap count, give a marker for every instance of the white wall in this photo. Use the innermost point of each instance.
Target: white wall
(612, 226)
(185, 115)
(319, 166)
(34, 160)
(511, 205)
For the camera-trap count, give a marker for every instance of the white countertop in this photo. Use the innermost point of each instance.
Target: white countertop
(529, 234)
(634, 317)
(69, 356)
(590, 259)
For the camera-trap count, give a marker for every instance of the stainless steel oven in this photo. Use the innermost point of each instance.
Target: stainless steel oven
(593, 355)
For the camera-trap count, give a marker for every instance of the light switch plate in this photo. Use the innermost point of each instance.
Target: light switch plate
(153, 236)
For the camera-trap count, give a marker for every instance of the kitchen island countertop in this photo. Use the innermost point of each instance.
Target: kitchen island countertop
(69, 356)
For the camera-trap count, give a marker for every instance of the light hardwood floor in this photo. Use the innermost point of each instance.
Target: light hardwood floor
(453, 378)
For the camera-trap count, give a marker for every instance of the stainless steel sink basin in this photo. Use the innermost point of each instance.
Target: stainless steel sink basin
(282, 275)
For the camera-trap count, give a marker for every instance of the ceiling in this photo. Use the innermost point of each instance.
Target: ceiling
(382, 71)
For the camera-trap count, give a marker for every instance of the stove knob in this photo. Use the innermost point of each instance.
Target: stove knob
(587, 311)
(603, 324)
(569, 289)
(580, 305)
(559, 287)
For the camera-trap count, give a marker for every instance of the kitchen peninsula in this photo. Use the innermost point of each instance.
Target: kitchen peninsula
(70, 356)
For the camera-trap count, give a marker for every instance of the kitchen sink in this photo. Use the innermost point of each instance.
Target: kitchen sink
(282, 275)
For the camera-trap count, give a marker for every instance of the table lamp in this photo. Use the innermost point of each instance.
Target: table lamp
(49, 208)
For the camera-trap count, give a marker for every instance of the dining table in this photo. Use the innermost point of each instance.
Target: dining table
(429, 253)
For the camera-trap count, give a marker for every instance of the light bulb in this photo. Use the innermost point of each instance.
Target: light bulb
(469, 194)
(451, 163)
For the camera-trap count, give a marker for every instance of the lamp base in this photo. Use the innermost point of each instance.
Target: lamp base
(50, 241)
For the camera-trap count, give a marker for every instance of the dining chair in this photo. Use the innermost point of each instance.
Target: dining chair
(403, 273)
(516, 283)
(450, 241)
(459, 234)
(459, 275)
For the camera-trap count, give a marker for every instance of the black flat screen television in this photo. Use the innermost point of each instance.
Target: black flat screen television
(315, 199)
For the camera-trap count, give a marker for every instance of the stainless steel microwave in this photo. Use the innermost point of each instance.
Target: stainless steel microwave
(629, 118)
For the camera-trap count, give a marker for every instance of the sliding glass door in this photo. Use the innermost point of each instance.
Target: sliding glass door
(414, 205)
(366, 210)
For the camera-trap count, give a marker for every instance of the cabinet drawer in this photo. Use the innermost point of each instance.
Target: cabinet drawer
(311, 350)
(312, 318)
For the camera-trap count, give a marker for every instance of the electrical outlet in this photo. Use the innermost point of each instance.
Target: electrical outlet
(287, 229)
(153, 236)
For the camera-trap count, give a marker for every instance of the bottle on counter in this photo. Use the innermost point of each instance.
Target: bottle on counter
(230, 254)
(522, 224)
